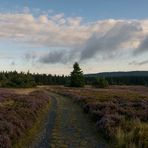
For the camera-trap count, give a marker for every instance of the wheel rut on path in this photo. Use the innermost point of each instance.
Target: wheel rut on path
(43, 140)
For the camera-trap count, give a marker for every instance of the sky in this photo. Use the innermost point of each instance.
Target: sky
(48, 36)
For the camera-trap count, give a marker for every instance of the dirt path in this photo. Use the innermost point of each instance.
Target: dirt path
(68, 127)
(44, 139)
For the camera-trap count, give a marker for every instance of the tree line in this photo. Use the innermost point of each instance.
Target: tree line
(122, 80)
(25, 80)
(75, 79)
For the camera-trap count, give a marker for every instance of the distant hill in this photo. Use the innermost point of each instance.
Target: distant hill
(119, 74)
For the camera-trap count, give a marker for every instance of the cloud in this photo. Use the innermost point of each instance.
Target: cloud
(143, 47)
(30, 55)
(112, 41)
(76, 39)
(53, 57)
(57, 17)
(13, 63)
(139, 63)
(43, 30)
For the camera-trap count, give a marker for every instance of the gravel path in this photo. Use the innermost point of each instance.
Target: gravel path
(68, 127)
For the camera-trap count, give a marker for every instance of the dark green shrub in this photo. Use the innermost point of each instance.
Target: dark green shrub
(100, 83)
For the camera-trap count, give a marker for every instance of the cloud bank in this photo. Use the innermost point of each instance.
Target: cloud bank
(77, 39)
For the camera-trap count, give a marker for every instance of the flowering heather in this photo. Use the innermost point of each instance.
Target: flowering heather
(18, 113)
(121, 114)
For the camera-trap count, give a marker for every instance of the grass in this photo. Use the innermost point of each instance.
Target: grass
(120, 113)
(136, 137)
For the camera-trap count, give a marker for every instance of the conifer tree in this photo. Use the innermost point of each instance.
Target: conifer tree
(77, 77)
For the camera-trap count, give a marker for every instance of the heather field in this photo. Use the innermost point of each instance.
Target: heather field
(19, 114)
(120, 112)
(47, 116)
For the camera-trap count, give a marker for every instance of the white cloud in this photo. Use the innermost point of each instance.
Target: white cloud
(57, 17)
(43, 19)
(44, 31)
(85, 40)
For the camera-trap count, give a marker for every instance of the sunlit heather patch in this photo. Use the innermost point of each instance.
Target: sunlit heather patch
(18, 113)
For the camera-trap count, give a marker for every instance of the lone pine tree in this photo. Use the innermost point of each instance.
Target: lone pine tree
(77, 77)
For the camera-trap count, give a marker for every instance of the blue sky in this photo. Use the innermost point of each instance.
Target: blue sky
(47, 36)
(92, 9)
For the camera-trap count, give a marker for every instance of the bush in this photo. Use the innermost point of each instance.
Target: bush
(100, 83)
